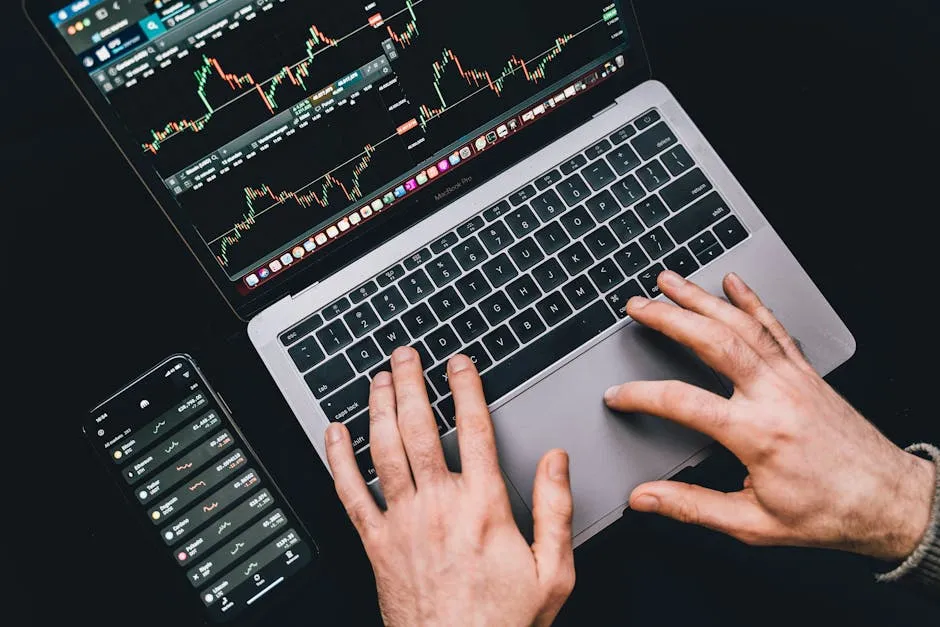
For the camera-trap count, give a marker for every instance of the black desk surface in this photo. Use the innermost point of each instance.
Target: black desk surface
(822, 111)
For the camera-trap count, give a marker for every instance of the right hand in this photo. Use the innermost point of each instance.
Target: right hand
(820, 474)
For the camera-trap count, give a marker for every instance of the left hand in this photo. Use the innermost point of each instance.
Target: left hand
(447, 550)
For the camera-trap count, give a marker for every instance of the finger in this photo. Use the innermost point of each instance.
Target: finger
(350, 486)
(744, 298)
(416, 423)
(714, 342)
(388, 452)
(680, 402)
(552, 510)
(737, 514)
(692, 297)
(475, 435)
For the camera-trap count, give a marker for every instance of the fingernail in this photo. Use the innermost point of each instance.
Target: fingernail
(736, 282)
(334, 433)
(459, 363)
(381, 379)
(558, 467)
(611, 393)
(637, 302)
(645, 503)
(671, 279)
(403, 355)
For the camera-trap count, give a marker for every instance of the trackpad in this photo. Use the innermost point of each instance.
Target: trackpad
(610, 453)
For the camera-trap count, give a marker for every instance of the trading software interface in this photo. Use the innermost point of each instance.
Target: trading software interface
(280, 126)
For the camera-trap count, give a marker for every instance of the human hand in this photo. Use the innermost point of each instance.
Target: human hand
(819, 473)
(447, 550)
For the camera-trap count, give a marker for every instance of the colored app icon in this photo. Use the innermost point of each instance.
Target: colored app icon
(400, 191)
(443, 165)
(275, 265)
(389, 198)
(454, 159)
(365, 212)
(411, 185)
(298, 252)
(377, 204)
(252, 280)
(264, 273)
(491, 137)
(432, 172)
(465, 152)
(287, 259)
(320, 239)
(422, 178)
(354, 219)
(480, 143)
(503, 130)
(309, 245)
(343, 225)
(332, 232)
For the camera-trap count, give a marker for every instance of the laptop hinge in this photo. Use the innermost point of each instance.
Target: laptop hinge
(305, 290)
(605, 109)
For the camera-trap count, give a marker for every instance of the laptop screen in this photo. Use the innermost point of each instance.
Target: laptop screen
(281, 127)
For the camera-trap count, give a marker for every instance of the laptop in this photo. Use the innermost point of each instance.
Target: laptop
(490, 178)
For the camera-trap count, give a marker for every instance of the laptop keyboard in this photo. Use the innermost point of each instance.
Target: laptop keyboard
(526, 282)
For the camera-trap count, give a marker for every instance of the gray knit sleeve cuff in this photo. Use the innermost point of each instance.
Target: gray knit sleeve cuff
(923, 565)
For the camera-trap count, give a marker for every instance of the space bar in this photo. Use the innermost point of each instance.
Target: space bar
(546, 351)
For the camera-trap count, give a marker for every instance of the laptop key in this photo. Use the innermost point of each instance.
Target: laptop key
(648, 279)
(336, 308)
(657, 243)
(473, 287)
(497, 308)
(647, 119)
(527, 325)
(573, 190)
(573, 164)
(685, 190)
(577, 222)
(598, 175)
(623, 159)
(307, 354)
(554, 308)
(330, 376)
(443, 270)
(619, 298)
(522, 221)
(496, 237)
(548, 205)
(677, 160)
(526, 254)
(547, 350)
(470, 325)
(334, 337)
(695, 219)
(438, 378)
(598, 149)
(576, 258)
(681, 262)
(654, 141)
(471, 226)
(443, 342)
(389, 303)
(547, 180)
(351, 400)
(623, 134)
(497, 211)
(549, 275)
(653, 175)
(302, 330)
(626, 226)
(731, 232)
(469, 253)
(391, 275)
(423, 354)
(391, 336)
(628, 190)
(478, 356)
(500, 342)
(444, 242)
(416, 286)
(500, 270)
(418, 259)
(552, 238)
(601, 242)
(652, 210)
(361, 320)
(446, 304)
(705, 248)
(446, 409)
(366, 467)
(523, 291)
(358, 427)
(606, 275)
(363, 292)
(602, 206)
(580, 292)
(632, 259)
(419, 320)
(523, 195)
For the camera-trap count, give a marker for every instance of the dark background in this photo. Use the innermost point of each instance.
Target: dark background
(823, 110)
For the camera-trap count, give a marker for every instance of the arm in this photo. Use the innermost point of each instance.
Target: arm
(819, 473)
(447, 550)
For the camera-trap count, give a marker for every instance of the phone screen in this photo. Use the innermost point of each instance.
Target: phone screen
(183, 464)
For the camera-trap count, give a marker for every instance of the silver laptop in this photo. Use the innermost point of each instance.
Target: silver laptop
(491, 178)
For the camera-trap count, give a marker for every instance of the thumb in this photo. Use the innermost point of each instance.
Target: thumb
(737, 514)
(552, 510)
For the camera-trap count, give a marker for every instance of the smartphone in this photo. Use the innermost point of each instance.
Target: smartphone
(201, 493)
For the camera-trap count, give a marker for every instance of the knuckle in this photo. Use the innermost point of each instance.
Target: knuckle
(687, 511)
(564, 582)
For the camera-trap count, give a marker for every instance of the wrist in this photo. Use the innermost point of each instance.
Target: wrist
(906, 515)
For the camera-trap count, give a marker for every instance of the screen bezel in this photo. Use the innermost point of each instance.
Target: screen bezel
(277, 596)
(372, 233)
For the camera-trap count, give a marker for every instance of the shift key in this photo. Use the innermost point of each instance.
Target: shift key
(697, 218)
